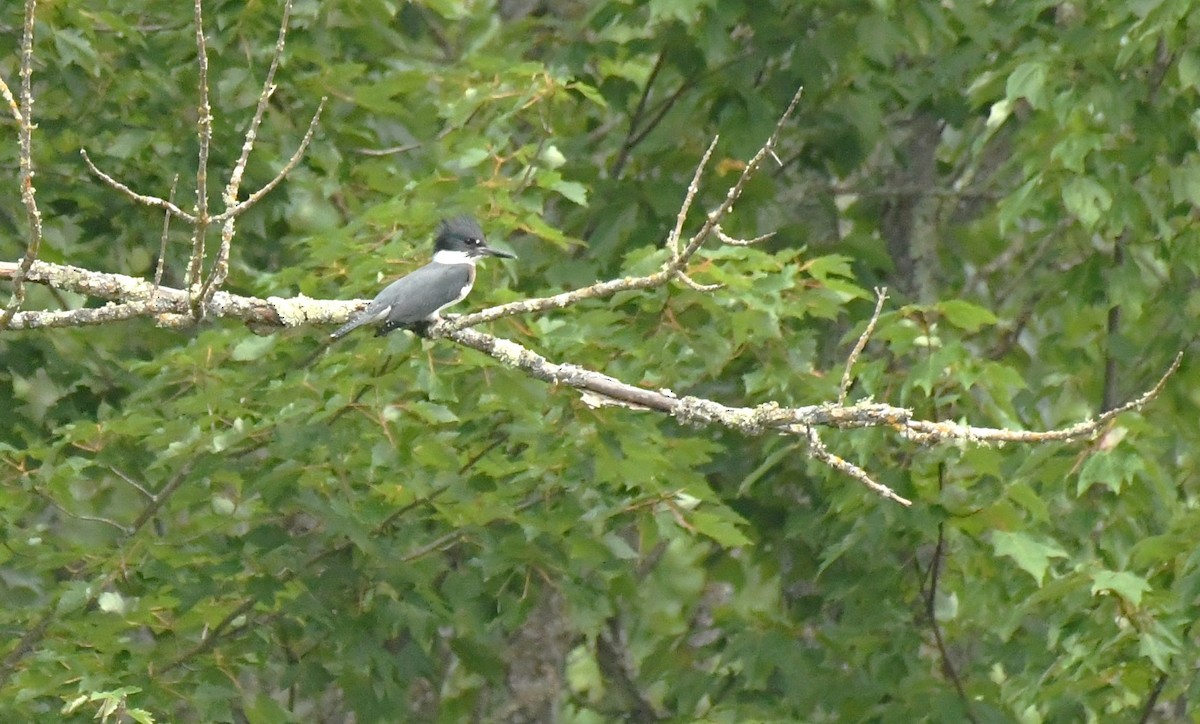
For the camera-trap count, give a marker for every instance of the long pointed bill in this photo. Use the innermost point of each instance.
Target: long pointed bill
(496, 252)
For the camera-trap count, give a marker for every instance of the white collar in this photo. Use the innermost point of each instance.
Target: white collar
(445, 256)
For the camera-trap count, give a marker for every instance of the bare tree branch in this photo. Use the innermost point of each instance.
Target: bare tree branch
(673, 268)
(195, 270)
(143, 199)
(255, 197)
(275, 312)
(818, 451)
(220, 269)
(137, 297)
(844, 388)
(24, 117)
(140, 298)
(166, 232)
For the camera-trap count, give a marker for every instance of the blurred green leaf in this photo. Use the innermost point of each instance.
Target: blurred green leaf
(1030, 555)
(1124, 584)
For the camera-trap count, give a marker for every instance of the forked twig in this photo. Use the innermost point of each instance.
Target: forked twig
(818, 451)
(153, 201)
(195, 269)
(24, 117)
(844, 389)
(679, 257)
(166, 231)
(228, 218)
(692, 189)
(201, 288)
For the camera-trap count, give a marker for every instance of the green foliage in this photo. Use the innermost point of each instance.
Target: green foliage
(197, 527)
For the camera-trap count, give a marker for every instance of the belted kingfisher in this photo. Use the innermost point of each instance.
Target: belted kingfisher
(413, 301)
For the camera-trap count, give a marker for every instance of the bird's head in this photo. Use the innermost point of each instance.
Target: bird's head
(462, 235)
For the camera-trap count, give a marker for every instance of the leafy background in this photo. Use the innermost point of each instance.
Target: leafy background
(406, 531)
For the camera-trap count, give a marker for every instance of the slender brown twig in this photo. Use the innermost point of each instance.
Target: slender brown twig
(24, 117)
(220, 269)
(166, 231)
(143, 199)
(860, 345)
(195, 270)
(673, 268)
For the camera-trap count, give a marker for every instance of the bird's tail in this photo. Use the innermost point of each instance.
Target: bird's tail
(349, 327)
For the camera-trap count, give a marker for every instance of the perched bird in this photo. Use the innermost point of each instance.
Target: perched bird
(414, 301)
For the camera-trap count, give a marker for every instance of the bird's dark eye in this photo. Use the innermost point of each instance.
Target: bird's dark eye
(474, 242)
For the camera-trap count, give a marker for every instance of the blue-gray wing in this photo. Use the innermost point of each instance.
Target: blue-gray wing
(419, 296)
(414, 298)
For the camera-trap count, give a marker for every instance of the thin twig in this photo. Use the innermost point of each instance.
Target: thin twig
(935, 567)
(1152, 700)
(204, 120)
(692, 189)
(627, 145)
(162, 248)
(283, 172)
(239, 168)
(818, 451)
(734, 241)
(676, 264)
(133, 483)
(24, 117)
(844, 389)
(79, 516)
(664, 107)
(227, 219)
(391, 150)
(932, 431)
(143, 199)
(210, 636)
(1112, 329)
(26, 643)
(697, 286)
(159, 499)
(535, 157)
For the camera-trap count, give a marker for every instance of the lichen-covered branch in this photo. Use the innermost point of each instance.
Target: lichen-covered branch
(861, 344)
(204, 121)
(202, 288)
(140, 298)
(23, 114)
(134, 297)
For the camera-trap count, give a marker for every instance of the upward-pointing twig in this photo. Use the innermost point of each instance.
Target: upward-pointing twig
(844, 388)
(675, 265)
(220, 269)
(204, 119)
(24, 117)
